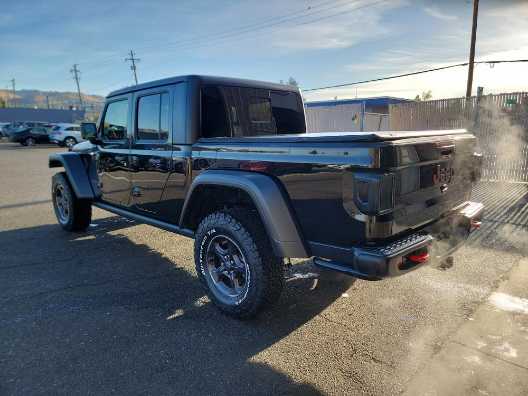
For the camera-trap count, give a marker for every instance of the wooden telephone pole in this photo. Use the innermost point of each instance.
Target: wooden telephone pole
(133, 66)
(472, 49)
(75, 73)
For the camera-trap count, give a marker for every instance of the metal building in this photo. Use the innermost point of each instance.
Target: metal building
(350, 115)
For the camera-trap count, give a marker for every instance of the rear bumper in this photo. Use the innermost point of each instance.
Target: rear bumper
(431, 244)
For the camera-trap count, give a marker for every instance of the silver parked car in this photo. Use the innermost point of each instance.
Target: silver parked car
(66, 134)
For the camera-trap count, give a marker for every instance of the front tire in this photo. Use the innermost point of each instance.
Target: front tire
(73, 214)
(235, 262)
(30, 142)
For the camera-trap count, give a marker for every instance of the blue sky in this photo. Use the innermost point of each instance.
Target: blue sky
(318, 42)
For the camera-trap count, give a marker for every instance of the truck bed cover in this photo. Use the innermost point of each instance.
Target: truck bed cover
(337, 137)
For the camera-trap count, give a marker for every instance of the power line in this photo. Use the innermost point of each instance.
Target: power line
(133, 66)
(75, 72)
(413, 73)
(343, 12)
(206, 40)
(243, 28)
(217, 38)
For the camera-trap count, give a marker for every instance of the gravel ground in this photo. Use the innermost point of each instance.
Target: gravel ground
(119, 309)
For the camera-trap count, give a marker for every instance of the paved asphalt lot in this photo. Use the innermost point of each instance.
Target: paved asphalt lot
(119, 309)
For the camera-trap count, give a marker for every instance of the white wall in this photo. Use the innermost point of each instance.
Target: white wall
(344, 118)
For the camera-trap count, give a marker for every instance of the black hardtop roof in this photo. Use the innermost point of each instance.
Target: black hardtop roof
(205, 80)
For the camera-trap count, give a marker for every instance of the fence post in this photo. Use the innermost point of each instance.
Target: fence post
(362, 124)
(476, 120)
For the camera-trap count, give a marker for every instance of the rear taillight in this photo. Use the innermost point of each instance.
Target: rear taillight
(374, 193)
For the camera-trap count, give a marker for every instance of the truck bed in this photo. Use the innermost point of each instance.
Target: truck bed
(413, 178)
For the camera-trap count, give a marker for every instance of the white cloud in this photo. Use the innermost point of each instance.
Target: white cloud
(352, 25)
(435, 12)
(502, 34)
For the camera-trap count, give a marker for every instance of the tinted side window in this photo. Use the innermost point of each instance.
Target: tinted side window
(288, 112)
(115, 121)
(214, 116)
(259, 109)
(246, 111)
(153, 117)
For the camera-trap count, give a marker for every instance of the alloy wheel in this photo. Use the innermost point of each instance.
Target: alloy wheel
(227, 269)
(63, 204)
(70, 142)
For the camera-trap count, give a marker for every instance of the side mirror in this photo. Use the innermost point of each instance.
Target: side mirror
(88, 130)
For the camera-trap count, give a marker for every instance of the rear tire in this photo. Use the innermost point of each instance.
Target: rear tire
(73, 214)
(253, 277)
(30, 142)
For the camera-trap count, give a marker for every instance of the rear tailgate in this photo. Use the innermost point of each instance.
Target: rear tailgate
(432, 176)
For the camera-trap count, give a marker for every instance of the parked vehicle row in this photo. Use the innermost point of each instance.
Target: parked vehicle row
(30, 133)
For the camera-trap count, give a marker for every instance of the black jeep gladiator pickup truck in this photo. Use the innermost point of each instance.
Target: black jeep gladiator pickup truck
(228, 162)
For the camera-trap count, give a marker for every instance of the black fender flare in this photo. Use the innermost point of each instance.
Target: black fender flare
(270, 201)
(78, 171)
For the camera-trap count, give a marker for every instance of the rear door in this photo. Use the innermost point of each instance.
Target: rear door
(151, 149)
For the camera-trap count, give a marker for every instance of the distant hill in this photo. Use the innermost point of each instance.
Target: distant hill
(57, 100)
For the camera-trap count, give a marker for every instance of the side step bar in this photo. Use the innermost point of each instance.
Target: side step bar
(145, 219)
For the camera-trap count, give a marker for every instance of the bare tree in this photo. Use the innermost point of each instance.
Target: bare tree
(426, 95)
(293, 81)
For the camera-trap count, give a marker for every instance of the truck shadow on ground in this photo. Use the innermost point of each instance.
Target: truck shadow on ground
(97, 313)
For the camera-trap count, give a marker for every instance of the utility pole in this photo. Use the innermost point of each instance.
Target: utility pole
(47, 101)
(133, 67)
(472, 48)
(14, 91)
(75, 72)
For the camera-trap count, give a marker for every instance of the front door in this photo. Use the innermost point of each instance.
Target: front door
(113, 161)
(151, 149)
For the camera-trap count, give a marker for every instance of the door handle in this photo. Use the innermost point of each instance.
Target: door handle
(136, 192)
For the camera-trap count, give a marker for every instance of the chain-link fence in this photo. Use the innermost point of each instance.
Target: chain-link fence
(499, 121)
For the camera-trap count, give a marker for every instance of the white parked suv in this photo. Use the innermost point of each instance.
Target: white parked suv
(66, 134)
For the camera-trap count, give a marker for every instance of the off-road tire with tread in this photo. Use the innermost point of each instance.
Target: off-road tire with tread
(267, 270)
(79, 210)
